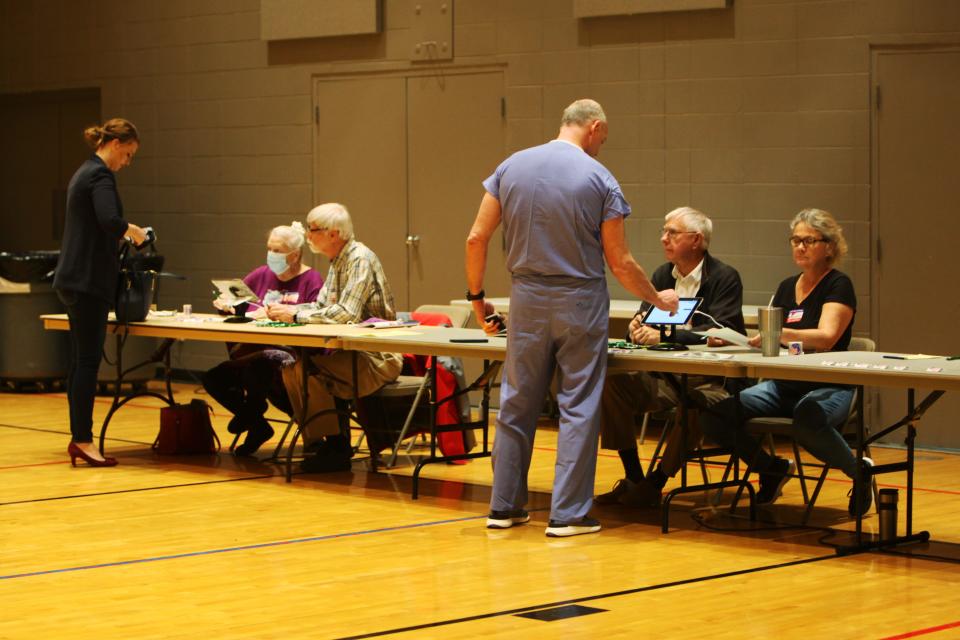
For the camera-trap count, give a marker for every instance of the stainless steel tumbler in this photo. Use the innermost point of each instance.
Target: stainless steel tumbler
(770, 320)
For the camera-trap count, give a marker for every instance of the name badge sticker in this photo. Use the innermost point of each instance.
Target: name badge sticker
(795, 315)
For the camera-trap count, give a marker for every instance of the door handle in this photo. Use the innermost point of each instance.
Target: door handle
(413, 241)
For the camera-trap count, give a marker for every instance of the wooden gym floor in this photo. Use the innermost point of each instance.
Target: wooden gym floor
(218, 547)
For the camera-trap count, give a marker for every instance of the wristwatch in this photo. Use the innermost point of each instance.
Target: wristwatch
(475, 296)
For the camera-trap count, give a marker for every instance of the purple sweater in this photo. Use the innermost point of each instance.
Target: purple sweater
(264, 283)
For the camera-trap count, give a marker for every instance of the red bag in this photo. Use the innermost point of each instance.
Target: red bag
(186, 428)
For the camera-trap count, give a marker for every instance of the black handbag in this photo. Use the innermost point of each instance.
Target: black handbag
(134, 295)
(135, 288)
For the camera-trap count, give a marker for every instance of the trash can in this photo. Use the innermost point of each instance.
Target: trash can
(31, 358)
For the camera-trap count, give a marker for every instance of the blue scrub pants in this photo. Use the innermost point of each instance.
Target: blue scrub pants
(817, 413)
(556, 323)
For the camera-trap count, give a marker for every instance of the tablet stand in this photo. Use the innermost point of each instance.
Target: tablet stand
(239, 313)
(667, 333)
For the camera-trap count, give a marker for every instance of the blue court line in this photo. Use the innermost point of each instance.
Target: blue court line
(247, 547)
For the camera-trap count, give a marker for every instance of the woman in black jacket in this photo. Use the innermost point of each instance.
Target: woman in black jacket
(86, 275)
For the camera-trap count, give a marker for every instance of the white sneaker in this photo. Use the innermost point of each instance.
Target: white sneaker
(507, 519)
(579, 527)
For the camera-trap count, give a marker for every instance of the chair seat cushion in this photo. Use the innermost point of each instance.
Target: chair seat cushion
(776, 426)
(402, 386)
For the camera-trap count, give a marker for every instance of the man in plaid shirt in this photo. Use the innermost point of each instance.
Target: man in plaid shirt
(355, 289)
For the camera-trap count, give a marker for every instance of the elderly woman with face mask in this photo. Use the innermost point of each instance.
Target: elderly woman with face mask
(251, 376)
(819, 305)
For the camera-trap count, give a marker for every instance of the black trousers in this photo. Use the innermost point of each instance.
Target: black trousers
(243, 385)
(88, 327)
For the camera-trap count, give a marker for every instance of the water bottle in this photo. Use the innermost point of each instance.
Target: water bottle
(888, 514)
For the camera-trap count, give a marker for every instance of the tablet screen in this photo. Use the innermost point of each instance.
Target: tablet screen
(235, 291)
(682, 316)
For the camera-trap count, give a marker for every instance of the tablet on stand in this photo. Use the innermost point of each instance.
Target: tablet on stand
(668, 322)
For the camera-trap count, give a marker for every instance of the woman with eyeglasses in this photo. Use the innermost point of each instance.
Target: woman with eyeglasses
(819, 305)
(251, 376)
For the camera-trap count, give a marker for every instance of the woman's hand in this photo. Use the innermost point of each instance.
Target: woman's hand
(220, 304)
(136, 234)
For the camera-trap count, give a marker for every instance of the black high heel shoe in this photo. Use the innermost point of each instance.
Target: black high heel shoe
(76, 452)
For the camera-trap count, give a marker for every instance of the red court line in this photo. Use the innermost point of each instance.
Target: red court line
(923, 632)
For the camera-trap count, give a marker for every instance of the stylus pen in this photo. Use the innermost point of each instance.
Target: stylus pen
(894, 357)
(465, 340)
(953, 357)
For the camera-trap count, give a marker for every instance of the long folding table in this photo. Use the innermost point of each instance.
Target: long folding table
(851, 368)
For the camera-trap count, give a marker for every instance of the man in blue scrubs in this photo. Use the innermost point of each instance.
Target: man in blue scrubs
(562, 214)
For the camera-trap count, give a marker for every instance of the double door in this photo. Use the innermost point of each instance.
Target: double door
(406, 154)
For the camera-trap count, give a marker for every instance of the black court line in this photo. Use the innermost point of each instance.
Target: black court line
(64, 433)
(611, 594)
(246, 547)
(157, 488)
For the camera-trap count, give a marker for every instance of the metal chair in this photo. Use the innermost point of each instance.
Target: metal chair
(417, 386)
(769, 427)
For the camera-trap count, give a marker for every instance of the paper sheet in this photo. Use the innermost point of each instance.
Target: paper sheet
(726, 333)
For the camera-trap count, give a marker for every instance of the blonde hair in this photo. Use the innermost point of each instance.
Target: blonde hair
(826, 225)
(292, 235)
(113, 129)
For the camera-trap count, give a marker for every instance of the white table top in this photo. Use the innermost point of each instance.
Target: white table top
(848, 367)
(619, 309)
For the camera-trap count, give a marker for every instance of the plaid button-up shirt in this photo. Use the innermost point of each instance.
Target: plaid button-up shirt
(356, 288)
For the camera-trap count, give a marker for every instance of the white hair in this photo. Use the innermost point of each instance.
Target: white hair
(693, 220)
(332, 215)
(583, 111)
(292, 236)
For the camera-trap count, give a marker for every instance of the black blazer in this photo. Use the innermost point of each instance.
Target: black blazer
(92, 233)
(722, 293)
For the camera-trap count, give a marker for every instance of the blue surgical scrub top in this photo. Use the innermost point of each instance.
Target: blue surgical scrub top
(553, 198)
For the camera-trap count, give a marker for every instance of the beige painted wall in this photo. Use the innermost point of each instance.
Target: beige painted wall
(750, 112)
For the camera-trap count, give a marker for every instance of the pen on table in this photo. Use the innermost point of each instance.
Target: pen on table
(895, 357)
(468, 340)
(953, 357)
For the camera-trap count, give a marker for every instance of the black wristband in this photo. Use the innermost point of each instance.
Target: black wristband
(475, 296)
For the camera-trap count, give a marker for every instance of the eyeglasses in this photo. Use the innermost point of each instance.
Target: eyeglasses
(808, 241)
(673, 233)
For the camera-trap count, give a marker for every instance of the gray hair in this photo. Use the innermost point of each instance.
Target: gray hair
(826, 225)
(693, 220)
(332, 215)
(583, 111)
(291, 235)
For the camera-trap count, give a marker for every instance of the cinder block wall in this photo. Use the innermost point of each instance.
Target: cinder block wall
(749, 113)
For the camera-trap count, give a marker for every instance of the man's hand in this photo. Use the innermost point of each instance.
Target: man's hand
(755, 341)
(668, 300)
(281, 312)
(482, 309)
(716, 342)
(643, 334)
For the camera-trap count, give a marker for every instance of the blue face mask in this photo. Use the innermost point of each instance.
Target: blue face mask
(277, 262)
